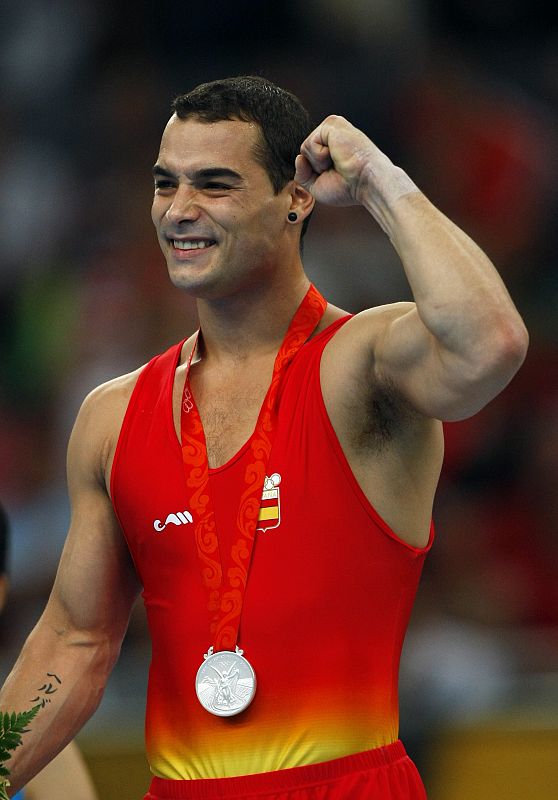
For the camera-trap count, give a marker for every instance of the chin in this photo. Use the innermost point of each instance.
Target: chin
(213, 283)
(207, 287)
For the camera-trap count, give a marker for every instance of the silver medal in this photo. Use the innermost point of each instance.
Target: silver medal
(225, 683)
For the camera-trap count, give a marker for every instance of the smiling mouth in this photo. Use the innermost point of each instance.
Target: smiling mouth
(192, 244)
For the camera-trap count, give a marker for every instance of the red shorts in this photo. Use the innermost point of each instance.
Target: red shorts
(385, 773)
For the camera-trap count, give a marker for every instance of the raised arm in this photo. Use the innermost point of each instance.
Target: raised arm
(65, 663)
(462, 340)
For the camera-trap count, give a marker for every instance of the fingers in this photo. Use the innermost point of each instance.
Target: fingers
(304, 174)
(317, 155)
(316, 151)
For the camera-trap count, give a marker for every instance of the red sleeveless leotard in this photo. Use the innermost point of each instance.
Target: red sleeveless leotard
(329, 593)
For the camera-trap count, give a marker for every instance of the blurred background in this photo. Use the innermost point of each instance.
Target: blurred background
(464, 95)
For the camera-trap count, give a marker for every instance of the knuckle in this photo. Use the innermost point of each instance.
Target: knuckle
(335, 119)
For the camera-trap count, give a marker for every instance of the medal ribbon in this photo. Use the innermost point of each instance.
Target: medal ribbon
(226, 593)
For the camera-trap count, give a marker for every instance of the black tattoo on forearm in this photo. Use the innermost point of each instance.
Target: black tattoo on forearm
(47, 689)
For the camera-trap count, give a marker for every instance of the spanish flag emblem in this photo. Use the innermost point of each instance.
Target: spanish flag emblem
(270, 508)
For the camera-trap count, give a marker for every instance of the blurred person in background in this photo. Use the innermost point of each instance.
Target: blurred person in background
(67, 774)
(320, 451)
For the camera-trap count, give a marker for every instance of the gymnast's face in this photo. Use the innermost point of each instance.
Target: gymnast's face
(220, 226)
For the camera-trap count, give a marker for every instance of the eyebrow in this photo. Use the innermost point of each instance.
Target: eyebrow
(201, 174)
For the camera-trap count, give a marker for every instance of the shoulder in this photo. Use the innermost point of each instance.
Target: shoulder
(99, 421)
(98, 424)
(105, 406)
(107, 402)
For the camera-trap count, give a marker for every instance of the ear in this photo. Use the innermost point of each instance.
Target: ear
(3, 591)
(302, 202)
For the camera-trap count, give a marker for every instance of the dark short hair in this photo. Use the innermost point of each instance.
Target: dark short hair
(3, 541)
(283, 121)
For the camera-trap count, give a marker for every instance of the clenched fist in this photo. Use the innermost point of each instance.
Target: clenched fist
(341, 166)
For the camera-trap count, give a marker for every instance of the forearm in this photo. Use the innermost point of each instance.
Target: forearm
(459, 295)
(63, 671)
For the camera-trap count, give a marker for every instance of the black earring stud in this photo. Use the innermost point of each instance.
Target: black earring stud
(292, 217)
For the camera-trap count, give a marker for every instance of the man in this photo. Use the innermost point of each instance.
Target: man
(274, 475)
(67, 774)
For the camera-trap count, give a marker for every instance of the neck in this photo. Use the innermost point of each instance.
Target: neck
(253, 322)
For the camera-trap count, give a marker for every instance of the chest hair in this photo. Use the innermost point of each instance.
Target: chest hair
(229, 419)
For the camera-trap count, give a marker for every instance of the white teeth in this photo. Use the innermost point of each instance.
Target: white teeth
(191, 245)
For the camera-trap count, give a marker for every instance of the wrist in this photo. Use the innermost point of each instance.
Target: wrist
(381, 189)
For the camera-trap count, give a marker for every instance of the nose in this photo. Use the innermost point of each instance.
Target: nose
(183, 207)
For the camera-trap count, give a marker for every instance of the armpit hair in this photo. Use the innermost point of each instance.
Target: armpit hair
(380, 417)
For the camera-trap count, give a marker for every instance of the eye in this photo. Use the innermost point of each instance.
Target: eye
(162, 185)
(215, 186)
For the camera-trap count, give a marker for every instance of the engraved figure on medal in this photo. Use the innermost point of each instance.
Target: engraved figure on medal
(225, 683)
